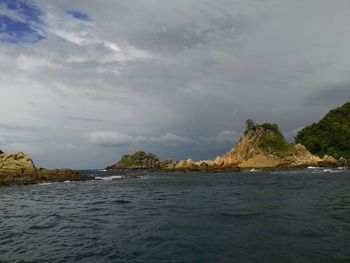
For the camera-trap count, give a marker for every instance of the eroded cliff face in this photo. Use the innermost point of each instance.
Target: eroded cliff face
(256, 149)
(17, 168)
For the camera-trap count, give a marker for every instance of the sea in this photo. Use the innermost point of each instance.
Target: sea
(183, 217)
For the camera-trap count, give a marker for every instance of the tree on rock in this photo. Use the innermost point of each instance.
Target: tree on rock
(250, 124)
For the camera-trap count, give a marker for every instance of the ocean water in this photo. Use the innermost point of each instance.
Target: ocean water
(258, 216)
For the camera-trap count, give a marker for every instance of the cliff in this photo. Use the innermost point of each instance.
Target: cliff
(261, 146)
(17, 168)
(329, 136)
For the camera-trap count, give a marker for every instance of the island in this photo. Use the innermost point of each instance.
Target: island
(142, 160)
(261, 146)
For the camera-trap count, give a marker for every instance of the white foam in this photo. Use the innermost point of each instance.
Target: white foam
(45, 183)
(312, 167)
(279, 172)
(331, 171)
(109, 178)
(102, 170)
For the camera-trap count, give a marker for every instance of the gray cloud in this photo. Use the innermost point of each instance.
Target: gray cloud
(332, 95)
(192, 69)
(115, 139)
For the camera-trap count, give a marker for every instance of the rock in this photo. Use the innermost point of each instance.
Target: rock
(329, 160)
(17, 168)
(142, 160)
(59, 175)
(168, 164)
(261, 146)
(137, 160)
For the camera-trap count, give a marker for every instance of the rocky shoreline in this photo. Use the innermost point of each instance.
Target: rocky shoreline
(260, 147)
(19, 169)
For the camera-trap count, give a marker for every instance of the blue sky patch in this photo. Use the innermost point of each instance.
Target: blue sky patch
(20, 22)
(79, 15)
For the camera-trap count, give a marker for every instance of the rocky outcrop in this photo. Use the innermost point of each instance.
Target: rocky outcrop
(137, 160)
(141, 160)
(261, 146)
(17, 168)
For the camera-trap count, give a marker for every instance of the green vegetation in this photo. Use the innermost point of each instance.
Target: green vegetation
(330, 136)
(250, 124)
(136, 158)
(273, 141)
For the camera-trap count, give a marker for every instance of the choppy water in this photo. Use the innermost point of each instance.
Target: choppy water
(295, 216)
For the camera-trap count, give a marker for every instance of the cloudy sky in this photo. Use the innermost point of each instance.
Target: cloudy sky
(83, 82)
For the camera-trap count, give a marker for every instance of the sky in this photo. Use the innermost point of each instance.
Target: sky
(83, 82)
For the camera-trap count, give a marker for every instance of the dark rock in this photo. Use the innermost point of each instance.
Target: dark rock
(142, 160)
(137, 160)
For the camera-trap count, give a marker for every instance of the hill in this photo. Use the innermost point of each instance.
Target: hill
(261, 146)
(329, 136)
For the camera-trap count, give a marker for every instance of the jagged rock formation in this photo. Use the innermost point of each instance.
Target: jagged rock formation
(329, 136)
(17, 168)
(262, 146)
(141, 160)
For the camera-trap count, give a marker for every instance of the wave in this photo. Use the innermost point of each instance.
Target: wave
(253, 170)
(332, 171)
(46, 183)
(109, 178)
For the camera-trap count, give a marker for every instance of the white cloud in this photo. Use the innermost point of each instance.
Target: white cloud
(27, 62)
(13, 14)
(154, 70)
(93, 45)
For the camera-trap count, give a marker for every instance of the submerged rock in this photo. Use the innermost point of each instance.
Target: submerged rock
(17, 168)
